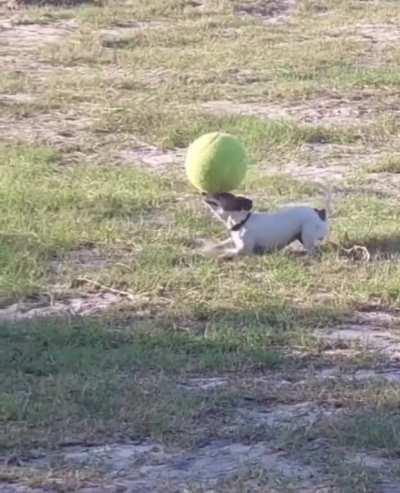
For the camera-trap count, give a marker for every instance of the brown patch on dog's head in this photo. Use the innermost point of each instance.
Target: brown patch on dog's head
(228, 202)
(321, 213)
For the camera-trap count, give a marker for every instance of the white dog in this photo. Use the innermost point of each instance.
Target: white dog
(260, 232)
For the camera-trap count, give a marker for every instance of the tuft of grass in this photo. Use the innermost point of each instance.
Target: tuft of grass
(388, 164)
(368, 419)
(372, 430)
(354, 478)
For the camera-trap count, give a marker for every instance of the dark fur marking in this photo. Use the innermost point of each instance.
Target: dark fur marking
(258, 250)
(230, 202)
(238, 226)
(321, 213)
(298, 238)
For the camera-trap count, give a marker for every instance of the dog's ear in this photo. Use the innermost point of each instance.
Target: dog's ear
(244, 204)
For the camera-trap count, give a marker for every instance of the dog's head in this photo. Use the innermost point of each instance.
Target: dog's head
(226, 204)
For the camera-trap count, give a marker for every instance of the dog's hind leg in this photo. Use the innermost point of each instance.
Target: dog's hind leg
(310, 237)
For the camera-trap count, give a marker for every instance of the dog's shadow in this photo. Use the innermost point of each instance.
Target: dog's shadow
(377, 247)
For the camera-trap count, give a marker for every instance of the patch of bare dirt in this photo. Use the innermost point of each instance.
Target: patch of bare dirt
(86, 304)
(269, 11)
(286, 412)
(285, 415)
(83, 258)
(15, 488)
(51, 128)
(389, 374)
(12, 99)
(149, 467)
(62, 131)
(68, 131)
(198, 383)
(55, 3)
(322, 163)
(313, 174)
(386, 183)
(380, 33)
(123, 35)
(22, 40)
(72, 133)
(370, 330)
(329, 110)
(150, 156)
(29, 37)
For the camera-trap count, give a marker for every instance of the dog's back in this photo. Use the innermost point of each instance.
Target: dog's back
(270, 231)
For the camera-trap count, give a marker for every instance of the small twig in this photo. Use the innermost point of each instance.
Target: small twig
(96, 284)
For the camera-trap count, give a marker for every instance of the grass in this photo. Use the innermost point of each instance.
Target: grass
(137, 71)
(260, 136)
(374, 431)
(47, 211)
(80, 380)
(367, 420)
(388, 164)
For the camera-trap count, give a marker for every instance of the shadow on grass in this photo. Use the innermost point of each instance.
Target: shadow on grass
(203, 340)
(102, 378)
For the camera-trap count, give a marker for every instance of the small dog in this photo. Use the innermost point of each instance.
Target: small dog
(260, 232)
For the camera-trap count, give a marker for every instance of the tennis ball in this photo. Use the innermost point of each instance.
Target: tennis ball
(216, 162)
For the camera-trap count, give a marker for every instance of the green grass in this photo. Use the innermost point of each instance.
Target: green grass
(261, 137)
(89, 380)
(368, 430)
(48, 210)
(388, 164)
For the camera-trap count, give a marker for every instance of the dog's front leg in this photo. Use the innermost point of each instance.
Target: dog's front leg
(231, 253)
(228, 254)
(211, 249)
(223, 244)
(240, 248)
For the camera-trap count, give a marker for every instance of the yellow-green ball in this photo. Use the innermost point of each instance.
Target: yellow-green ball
(216, 162)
